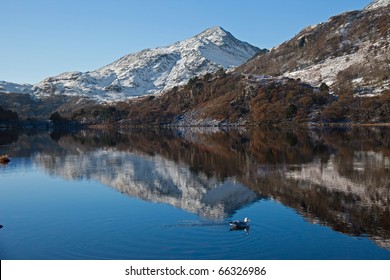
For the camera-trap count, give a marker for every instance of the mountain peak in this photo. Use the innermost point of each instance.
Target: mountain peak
(154, 70)
(216, 30)
(377, 4)
(215, 34)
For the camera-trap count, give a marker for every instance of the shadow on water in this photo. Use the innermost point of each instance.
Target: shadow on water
(334, 177)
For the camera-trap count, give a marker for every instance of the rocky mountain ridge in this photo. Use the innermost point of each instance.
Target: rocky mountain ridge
(350, 53)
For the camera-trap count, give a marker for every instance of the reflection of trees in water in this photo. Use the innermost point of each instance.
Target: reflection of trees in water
(7, 136)
(337, 177)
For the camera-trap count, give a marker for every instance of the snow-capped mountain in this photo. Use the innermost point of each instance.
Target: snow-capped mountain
(153, 70)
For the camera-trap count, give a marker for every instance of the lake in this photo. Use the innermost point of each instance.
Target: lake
(165, 194)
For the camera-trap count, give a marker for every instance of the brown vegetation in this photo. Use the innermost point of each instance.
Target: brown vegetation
(223, 99)
(236, 99)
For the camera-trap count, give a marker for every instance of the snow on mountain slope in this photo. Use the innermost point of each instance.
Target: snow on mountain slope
(327, 71)
(377, 4)
(363, 42)
(153, 70)
(12, 87)
(349, 52)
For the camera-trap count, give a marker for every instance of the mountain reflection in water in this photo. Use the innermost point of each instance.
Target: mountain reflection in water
(335, 177)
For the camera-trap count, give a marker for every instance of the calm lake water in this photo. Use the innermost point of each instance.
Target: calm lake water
(169, 194)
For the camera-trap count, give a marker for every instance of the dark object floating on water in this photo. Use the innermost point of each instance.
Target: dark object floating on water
(240, 225)
(4, 159)
(1, 226)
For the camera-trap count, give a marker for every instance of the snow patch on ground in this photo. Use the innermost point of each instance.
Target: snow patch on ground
(326, 71)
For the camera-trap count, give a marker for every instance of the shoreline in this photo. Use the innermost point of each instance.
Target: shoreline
(39, 126)
(106, 126)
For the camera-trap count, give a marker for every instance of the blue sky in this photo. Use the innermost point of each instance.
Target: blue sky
(42, 38)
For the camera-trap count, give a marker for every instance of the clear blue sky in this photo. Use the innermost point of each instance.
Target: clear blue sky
(42, 38)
